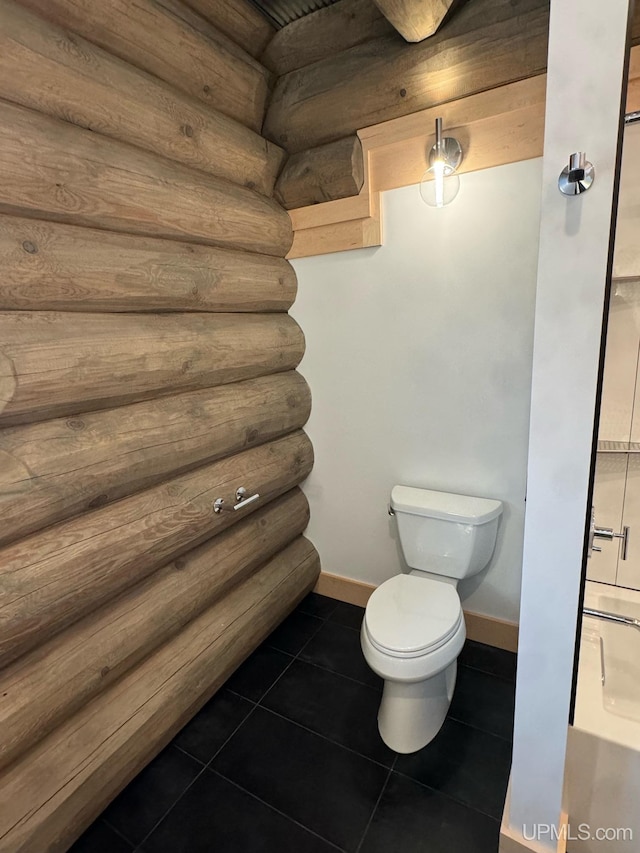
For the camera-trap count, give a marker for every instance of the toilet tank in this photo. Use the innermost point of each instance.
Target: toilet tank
(445, 534)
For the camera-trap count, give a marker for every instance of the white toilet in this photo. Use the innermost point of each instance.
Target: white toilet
(413, 629)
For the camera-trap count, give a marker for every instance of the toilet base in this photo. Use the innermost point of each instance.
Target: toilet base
(412, 713)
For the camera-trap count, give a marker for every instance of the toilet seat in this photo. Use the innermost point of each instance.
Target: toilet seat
(410, 616)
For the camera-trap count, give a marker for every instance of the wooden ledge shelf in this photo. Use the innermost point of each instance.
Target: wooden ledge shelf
(496, 127)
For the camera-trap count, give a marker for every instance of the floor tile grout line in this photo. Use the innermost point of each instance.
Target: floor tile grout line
(478, 729)
(374, 810)
(196, 777)
(508, 740)
(446, 795)
(275, 809)
(188, 754)
(325, 737)
(339, 674)
(273, 684)
(116, 831)
(324, 618)
(172, 806)
(505, 678)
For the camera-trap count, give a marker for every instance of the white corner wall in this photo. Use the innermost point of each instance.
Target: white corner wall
(419, 361)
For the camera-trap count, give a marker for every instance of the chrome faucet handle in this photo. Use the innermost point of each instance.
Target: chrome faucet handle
(609, 534)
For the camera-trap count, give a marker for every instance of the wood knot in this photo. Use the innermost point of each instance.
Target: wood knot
(76, 424)
(99, 500)
(30, 247)
(180, 563)
(187, 130)
(251, 434)
(105, 671)
(186, 365)
(206, 89)
(292, 401)
(251, 185)
(403, 92)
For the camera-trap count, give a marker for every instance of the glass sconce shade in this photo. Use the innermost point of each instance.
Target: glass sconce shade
(439, 185)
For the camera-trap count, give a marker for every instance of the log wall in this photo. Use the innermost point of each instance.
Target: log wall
(147, 367)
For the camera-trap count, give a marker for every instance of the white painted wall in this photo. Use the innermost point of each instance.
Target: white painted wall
(584, 83)
(419, 362)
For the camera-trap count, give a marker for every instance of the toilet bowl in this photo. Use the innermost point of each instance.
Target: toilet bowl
(413, 629)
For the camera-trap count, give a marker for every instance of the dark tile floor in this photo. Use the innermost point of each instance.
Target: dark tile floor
(286, 758)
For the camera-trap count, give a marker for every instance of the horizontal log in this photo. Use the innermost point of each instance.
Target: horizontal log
(44, 67)
(487, 43)
(47, 686)
(56, 364)
(57, 267)
(238, 20)
(49, 797)
(332, 171)
(55, 577)
(325, 33)
(154, 37)
(415, 20)
(60, 468)
(54, 170)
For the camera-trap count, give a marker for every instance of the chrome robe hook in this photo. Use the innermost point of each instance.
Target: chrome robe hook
(578, 176)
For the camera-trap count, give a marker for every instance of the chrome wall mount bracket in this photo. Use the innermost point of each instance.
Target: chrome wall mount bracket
(241, 501)
(577, 177)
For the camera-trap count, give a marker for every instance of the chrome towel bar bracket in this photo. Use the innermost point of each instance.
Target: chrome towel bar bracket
(241, 501)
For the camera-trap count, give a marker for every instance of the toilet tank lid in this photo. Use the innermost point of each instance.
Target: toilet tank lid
(444, 505)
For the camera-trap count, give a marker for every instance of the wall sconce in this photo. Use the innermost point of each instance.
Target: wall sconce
(440, 183)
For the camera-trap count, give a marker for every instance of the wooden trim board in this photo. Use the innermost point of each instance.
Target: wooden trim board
(496, 127)
(482, 629)
(344, 589)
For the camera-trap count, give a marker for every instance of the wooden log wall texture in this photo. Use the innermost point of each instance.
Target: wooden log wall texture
(50, 795)
(54, 363)
(51, 169)
(181, 50)
(238, 20)
(57, 267)
(487, 43)
(325, 33)
(45, 67)
(326, 173)
(60, 468)
(146, 369)
(51, 579)
(55, 680)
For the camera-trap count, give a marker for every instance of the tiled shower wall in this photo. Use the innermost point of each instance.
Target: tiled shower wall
(617, 484)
